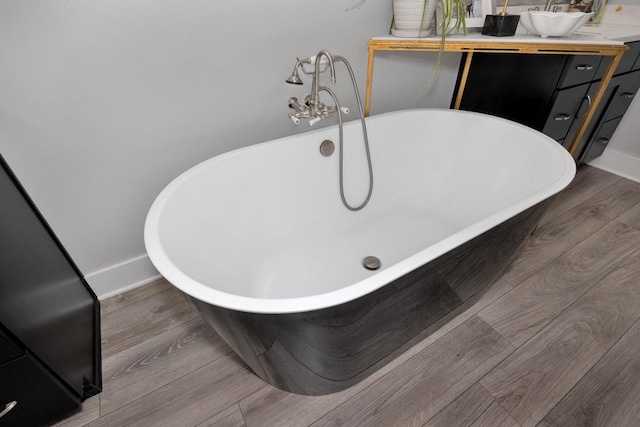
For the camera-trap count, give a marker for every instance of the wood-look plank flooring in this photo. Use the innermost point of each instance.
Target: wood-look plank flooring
(555, 342)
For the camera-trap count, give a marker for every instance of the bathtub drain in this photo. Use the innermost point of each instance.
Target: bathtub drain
(371, 263)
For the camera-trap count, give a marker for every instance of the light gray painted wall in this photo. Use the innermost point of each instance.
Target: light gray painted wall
(104, 102)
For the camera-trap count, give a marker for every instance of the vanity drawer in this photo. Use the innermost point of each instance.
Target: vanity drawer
(625, 89)
(564, 110)
(8, 350)
(579, 69)
(600, 140)
(630, 61)
(39, 397)
(582, 111)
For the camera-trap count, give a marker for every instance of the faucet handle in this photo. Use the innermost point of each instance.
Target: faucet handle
(294, 119)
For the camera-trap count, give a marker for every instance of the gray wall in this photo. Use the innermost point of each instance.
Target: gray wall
(104, 102)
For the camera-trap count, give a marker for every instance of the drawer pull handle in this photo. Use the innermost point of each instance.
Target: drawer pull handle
(562, 117)
(627, 95)
(588, 98)
(584, 67)
(9, 406)
(602, 141)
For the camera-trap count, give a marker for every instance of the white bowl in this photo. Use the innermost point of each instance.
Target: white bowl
(553, 24)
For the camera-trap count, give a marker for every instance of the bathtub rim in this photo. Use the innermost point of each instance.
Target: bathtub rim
(230, 301)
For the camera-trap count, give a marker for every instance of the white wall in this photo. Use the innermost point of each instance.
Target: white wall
(103, 102)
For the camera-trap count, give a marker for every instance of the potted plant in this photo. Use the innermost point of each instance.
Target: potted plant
(414, 18)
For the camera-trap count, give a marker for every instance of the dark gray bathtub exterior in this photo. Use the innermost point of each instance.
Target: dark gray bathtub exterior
(328, 350)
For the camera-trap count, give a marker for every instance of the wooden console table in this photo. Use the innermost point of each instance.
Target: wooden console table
(485, 44)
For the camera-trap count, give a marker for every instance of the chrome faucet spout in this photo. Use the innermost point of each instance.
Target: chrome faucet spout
(547, 7)
(315, 85)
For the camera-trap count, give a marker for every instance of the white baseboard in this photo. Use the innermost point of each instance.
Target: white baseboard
(618, 163)
(122, 277)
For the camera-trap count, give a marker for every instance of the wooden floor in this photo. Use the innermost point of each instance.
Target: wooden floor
(556, 342)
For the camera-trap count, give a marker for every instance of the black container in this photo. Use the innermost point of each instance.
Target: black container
(500, 25)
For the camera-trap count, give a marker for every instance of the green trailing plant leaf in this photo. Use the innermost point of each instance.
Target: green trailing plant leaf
(450, 9)
(424, 12)
(453, 20)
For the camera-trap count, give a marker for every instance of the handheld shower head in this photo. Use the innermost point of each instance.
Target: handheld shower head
(295, 79)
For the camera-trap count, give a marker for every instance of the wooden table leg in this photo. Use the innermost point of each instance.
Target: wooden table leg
(463, 80)
(367, 97)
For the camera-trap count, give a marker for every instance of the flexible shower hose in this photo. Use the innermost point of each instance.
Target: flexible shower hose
(364, 133)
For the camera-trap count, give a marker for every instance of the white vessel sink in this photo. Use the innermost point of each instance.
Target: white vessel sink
(553, 24)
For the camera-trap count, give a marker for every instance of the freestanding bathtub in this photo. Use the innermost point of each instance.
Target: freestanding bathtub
(259, 240)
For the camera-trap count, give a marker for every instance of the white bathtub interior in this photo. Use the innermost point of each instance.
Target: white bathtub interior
(266, 222)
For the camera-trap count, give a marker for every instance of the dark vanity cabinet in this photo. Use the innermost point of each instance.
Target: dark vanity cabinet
(551, 93)
(49, 318)
(621, 91)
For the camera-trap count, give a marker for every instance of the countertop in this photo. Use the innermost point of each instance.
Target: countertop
(610, 32)
(576, 38)
(620, 24)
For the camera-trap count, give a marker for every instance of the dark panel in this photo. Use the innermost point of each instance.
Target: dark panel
(620, 93)
(599, 141)
(626, 88)
(39, 396)
(44, 301)
(513, 86)
(9, 349)
(582, 111)
(579, 69)
(565, 109)
(629, 61)
(328, 350)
